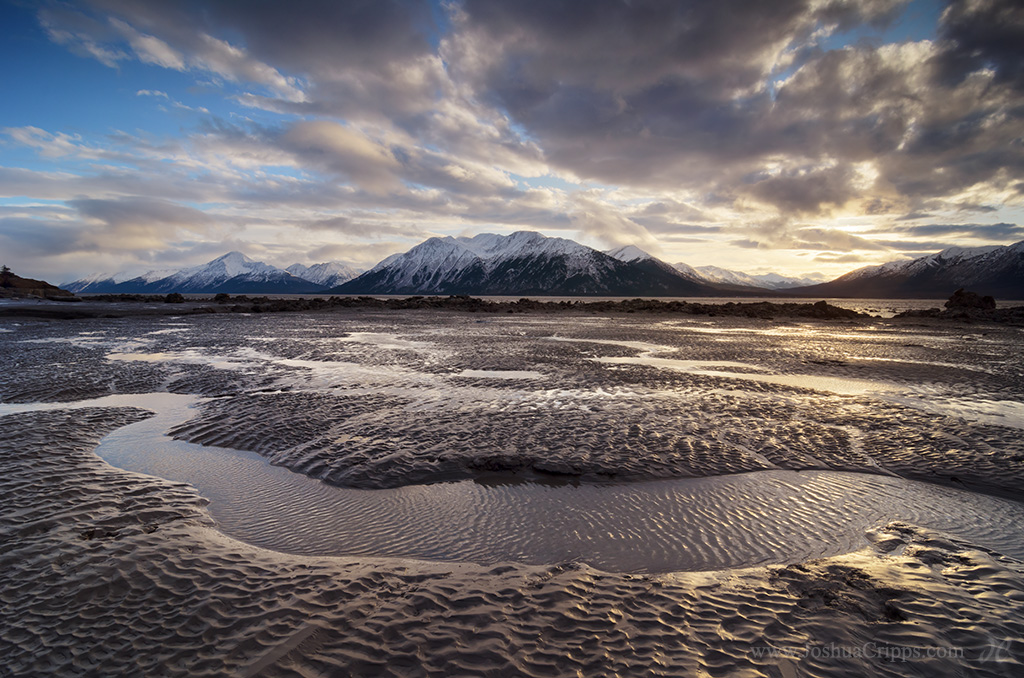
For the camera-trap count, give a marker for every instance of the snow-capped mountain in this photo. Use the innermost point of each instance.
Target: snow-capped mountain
(108, 279)
(233, 273)
(628, 253)
(997, 271)
(770, 281)
(524, 262)
(327, 274)
(633, 254)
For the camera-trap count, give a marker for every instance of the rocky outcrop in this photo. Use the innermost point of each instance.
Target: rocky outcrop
(14, 286)
(970, 300)
(969, 307)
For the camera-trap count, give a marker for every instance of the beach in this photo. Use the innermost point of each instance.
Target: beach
(417, 492)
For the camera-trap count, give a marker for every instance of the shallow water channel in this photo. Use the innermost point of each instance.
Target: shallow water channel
(653, 526)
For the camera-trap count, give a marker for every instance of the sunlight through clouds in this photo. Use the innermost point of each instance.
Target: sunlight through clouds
(794, 137)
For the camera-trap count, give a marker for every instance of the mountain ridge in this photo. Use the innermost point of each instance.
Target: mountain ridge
(232, 273)
(996, 271)
(529, 263)
(521, 263)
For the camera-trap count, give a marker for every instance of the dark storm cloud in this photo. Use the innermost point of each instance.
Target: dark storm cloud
(676, 71)
(659, 94)
(314, 36)
(608, 44)
(801, 191)
(982, 34)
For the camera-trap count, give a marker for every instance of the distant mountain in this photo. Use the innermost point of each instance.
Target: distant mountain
(233, 273)
(770, 281)
(996, 271)
(523, 263)
(329, 274)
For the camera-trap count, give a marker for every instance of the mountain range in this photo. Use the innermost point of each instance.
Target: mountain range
(526, 263)
(232, 273)
(996, 271)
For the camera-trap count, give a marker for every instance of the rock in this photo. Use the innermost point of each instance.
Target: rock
(970, 300)
(174, 298)
(14, 286)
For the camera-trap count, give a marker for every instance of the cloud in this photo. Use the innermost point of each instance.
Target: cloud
(129, 211)
(805, 191)
(135, 223)
(609, 226)
(658, 95)
(647, 122)
(149, 49)
(830, 239)
(782, 234)
(48, 144)
(833, 258)
(981, 35)
(344, 151)
(993, 232)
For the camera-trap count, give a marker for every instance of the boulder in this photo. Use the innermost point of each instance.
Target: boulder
(970, 300)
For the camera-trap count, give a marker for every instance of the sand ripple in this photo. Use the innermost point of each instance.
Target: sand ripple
(104, 572)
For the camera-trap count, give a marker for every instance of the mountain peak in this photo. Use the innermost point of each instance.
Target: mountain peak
(628, 253)
(518, 244)
(234, 255)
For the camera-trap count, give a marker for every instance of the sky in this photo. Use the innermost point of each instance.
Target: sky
(791, 136)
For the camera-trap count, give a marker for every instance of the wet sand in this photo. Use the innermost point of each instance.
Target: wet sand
(414, 403)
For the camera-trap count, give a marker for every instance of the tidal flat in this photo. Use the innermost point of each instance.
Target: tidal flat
(436, 493)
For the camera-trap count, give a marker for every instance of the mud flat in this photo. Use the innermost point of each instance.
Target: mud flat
(897, 449)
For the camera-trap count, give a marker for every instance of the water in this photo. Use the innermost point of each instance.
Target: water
(655, 526)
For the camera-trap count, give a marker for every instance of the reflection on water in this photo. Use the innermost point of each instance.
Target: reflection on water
(499, 374)
(715, 368)
(840, 385)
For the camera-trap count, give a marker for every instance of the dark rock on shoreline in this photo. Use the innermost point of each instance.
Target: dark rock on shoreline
(962, 299)
(969, 307)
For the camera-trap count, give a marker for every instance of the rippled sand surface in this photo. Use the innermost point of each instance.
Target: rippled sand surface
(524, 496)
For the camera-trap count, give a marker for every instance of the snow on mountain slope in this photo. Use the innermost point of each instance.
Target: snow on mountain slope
(222, 269)
(771, 281)
(107, 279)
(628, 253)
(437, 259)
(687, 270)
(233, 273)
(523, 262)
(327, 274)
(426, 264)
(994, 270)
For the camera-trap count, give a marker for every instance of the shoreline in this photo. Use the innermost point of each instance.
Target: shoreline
(130, 305)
